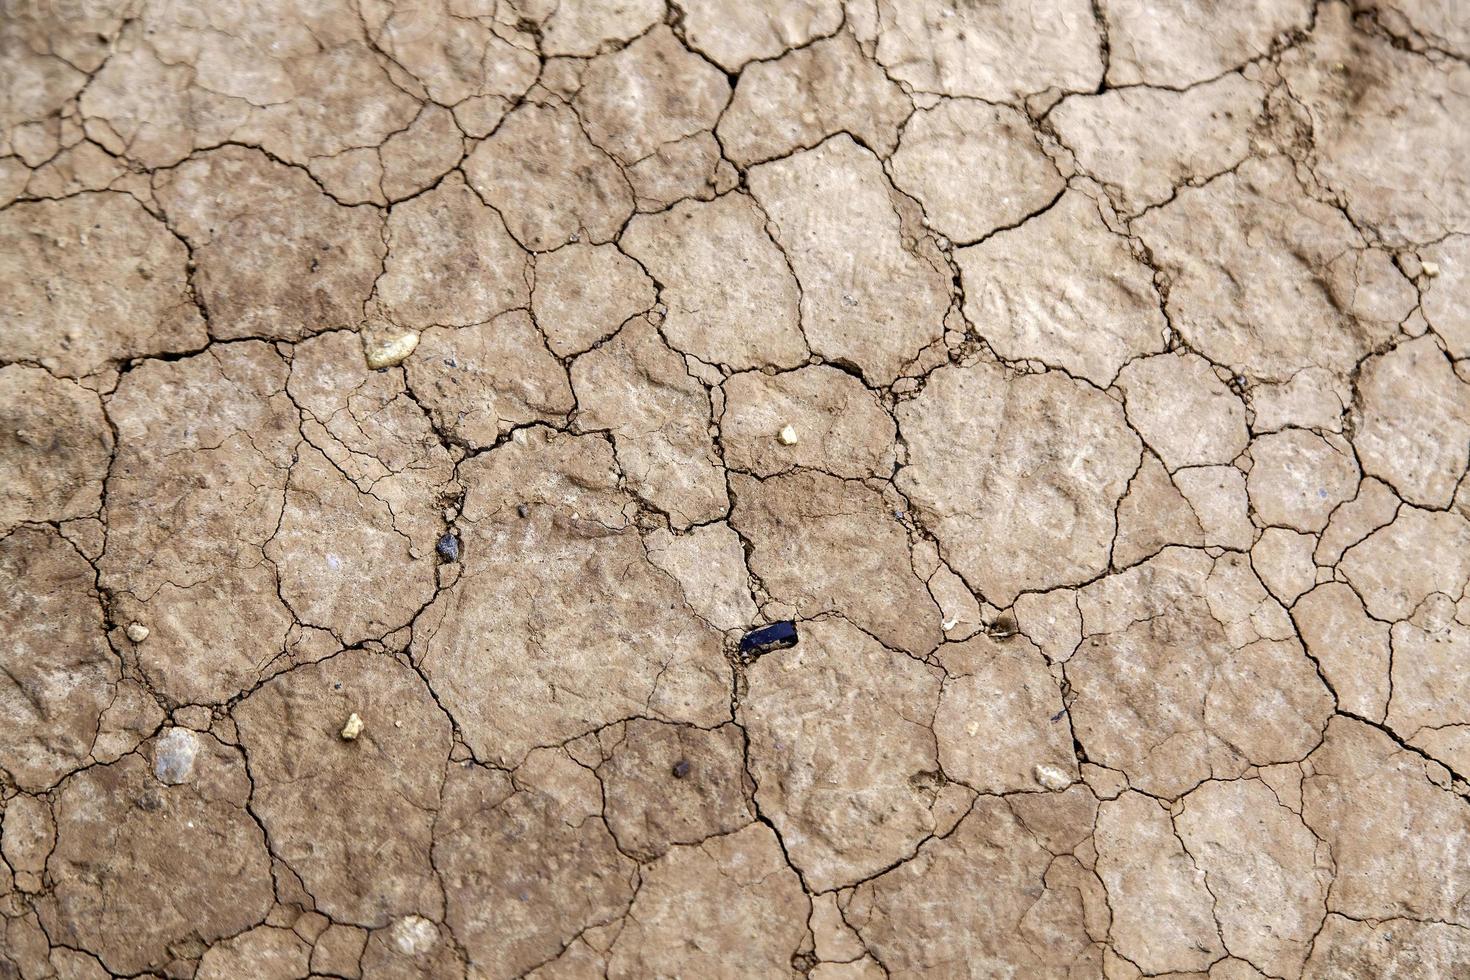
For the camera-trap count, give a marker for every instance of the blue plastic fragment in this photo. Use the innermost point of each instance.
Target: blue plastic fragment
(448, 548)
(776, 636)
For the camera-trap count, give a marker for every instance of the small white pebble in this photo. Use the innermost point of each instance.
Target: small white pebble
(787, 436)
(398, 724)
(353, 728)
(1052, 778)
(391, 352)
(137, 632)
(950, 624)
(1431, 269)
(414, 934)
(173, 756)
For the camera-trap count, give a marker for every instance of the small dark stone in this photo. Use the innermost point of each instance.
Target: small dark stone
(777, 636)
(681, 768)
(523, 510)
(448, 548)
(337, 686)
(1004, 626)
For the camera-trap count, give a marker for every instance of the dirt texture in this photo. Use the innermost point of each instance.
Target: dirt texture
(409, 407)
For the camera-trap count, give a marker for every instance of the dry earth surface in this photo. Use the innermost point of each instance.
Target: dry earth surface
(1088, 381)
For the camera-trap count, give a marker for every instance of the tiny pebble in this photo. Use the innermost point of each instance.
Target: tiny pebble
(448, 548)
(1052, 778)
(950, 624)
(1431, 269)
(787, 436)
(522, 510)
(137, 632)
(173, 756)
(681, 768)
(353, 728)
(391, 352)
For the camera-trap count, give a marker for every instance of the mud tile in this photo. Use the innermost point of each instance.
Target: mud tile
(1159, 390)
(1297, 478)
(709, 564)
(841, 752)
(58, 671)
(450, 261)
(976, 899)
(733, 37)
(986, 450)
(1152, 516)
(1347, 948)
(868, 298)
(1399, 566)
(1064, 290)
(558, 869)
(997, 723)
(990, 51)
(48, 58)
(1430, 685)
(1143, 143)
(353, 819)
(546, 666)
(583, 29)
(264, 952)
(91, 281)
(652, 92)
(840, 425)
(583, 293)
(729, 904)
(548, 181)
(1363, 93)
(692, 167)
(276, 257)
(1391, 830)
(731, 297)
(1374, 507)
(1413, 422)
(1283, 560)
(343, 564)
(1162, 906)
(479, 382)
(1446, 298)
(193, 849)
(455, 56)
(803, 97)
(1218, 497)
(667, 785)
(55, 446)
(1351, 648)
(659, 417)
(1175, 43)
(823, 544)
(974, 167)
(1191, 684)
(1235, 249)
(1268, 873)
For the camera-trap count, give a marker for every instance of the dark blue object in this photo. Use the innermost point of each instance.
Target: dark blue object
(777, 636)
(448, 548)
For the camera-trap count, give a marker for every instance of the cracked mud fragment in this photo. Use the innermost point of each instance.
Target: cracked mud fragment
(870, 295)
(425, 426)
(92, 280)
(846, 805)
(1019, 475)
(546, 667)
(276, 257)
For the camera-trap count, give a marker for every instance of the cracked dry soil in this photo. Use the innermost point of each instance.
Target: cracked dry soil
(1088, 381)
